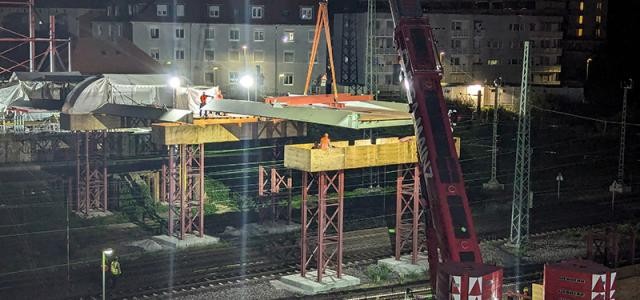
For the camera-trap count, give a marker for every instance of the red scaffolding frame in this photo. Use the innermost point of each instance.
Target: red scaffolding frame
(183, 189)
(410, 212)
(91, 171)
(327, 214)
(20, 39)
(270, 184)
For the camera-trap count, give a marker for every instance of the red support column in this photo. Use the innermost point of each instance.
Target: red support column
(410, 231)
(328, 215)
(91, 171)
(186, 190)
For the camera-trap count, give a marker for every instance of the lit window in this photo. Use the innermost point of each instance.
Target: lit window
(234, 55)
(580, 19)
(233, 77)
(214, 11)
(287, 79)
(154, 32)
(599, 5)
(180, 10)
(289, 56)
(598, 33)
(581, 6)
(209, 33)
(290, 36)
(598, 19)
(256, 12)
(162, 10)
(492, 62)
(258, 35)
(154, 53)
(579, 32)
(234, 34)
(306, 13)
(258, 56)
(179, 33)
(179, 54)
(209, 55)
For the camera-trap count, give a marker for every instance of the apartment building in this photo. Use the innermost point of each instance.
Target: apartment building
(216, 42)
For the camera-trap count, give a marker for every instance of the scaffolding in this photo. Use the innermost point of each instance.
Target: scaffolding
(410, 213)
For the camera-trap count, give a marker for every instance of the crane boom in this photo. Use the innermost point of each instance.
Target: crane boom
(455, 261)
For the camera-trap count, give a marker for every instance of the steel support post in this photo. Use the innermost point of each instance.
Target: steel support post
(185, 175)
(91, 171)
(410, 226)
(328, 216)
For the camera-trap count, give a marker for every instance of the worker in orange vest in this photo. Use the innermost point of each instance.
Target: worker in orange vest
(325, 142)
(203, 102)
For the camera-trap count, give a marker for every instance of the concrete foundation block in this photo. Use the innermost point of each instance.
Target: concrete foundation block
(189, 241)
(309, 286)
(93, 214)
(404, 265)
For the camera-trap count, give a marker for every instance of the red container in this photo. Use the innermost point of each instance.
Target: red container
(469, 281)
(579, 279)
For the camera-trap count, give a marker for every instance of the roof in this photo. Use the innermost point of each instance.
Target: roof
(579, 266)
(91, 55)
(50, 76)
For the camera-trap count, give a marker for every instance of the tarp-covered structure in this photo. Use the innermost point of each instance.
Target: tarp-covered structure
(28, 88)
(152, 91)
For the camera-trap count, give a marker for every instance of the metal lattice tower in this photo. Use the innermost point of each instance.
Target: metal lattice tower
(520, 209)
(626, 85)
(349, 60)
(370, 78)
(493, 183)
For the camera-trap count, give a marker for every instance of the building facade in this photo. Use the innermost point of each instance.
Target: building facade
(218, 42)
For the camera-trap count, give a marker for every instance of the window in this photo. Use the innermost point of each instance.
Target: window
(456, 25)
(116, 11)
(454, 60)
(599, 5)
(494, 44)
(258, 56)
(598, 19)
(209, 33)
(579, 32)
(99, 30)
(580, 19)
(598, 32)
(289, 56)
(513, 61)
(108, 10)
(306, 13)
(315, 59)
(154, 32)
(233, 77)
(289, 36)
(256, 12)
(476, 43)
(456, 44)
(209, 55)
(581, 5)
(209, 77)
(179, 54)
(161, 10)
(179, 10)
(214, 11)
(569, 279)
(310, 35)
(179, 33)
(234, 34)
(234, 55)
(492, 62)
(287, 79)
(516, 27)
(532, 27)
(130, 8)
(258, 35)
(571, 293)
(154, 53)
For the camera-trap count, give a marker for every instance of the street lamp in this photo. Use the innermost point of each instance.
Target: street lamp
(589, 60)
(247, 82)
(174, 83)
(105, 253)
(559, 179)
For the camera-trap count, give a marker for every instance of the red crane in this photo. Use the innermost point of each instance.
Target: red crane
(455, 262)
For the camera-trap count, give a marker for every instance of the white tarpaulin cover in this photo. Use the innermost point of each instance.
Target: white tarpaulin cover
(16, 90)
(140, 90)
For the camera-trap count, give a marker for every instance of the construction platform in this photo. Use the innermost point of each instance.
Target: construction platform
(404, 265)
(309, 286)
(189, 241)
(352, 114)
(360, 154)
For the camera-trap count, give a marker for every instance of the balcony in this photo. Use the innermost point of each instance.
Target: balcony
(460, 33)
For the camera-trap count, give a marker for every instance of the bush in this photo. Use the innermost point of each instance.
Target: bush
(378, 273)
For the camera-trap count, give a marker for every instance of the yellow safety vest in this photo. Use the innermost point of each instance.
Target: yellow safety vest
(115, 268)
